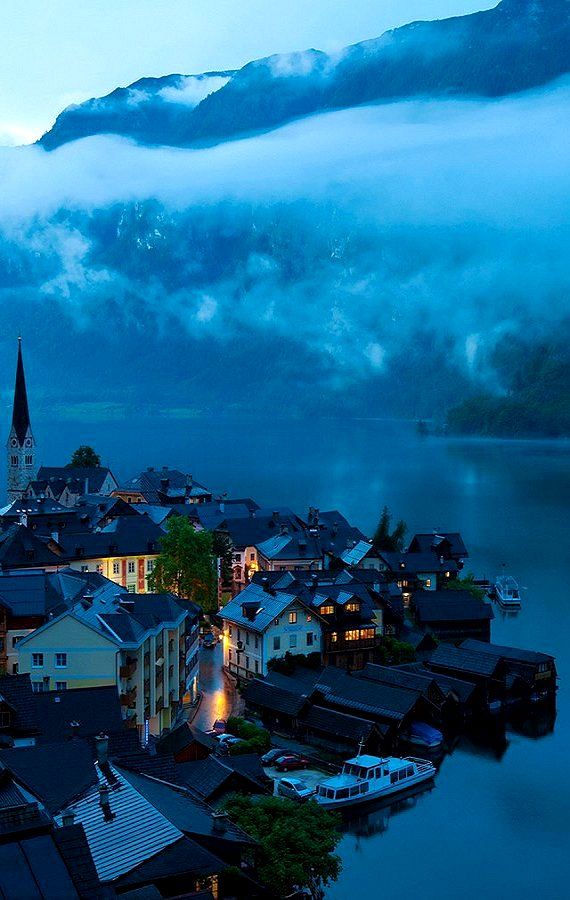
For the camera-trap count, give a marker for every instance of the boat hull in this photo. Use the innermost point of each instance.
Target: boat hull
(386, 791)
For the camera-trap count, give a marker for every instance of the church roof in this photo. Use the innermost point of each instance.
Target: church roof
(20, 413)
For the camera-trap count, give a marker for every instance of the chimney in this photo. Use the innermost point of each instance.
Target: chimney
(87, 601)
(102, 748)
(67, 817)
(74, 725)
(104, 791)
(220, 822)
(283, 529)
(164, 482)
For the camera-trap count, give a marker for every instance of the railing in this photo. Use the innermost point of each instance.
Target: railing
(129, 669)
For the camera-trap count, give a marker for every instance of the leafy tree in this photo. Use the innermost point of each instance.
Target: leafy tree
(467, 583)
(394, 653)
(186, 564)
(84, 457)
(297, 843)
(254, 738)
(387, 539)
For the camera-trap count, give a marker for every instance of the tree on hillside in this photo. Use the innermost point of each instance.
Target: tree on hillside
(84, 457)
(186, 564)
(387, 539)
(297, 843)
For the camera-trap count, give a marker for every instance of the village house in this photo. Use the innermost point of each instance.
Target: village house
(163, 487)
(67, 484)
(147, 646)
(453, 616)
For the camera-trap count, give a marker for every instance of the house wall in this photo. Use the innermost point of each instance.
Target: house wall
(256, 648)
(129, 571)
(92, 660)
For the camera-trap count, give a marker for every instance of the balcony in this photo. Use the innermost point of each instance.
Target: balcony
(159, 656)
(160, 702)
(128, 670)
(159, 678)
(147, 659)
(129, 698)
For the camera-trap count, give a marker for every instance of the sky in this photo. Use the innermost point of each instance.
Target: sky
(60, 52)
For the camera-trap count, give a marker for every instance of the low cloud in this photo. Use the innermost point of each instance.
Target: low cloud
(345, 234)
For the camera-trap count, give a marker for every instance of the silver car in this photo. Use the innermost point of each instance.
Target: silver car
(294, 789)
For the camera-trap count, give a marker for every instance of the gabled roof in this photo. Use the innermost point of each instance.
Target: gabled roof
(355, 554)
(450, 606)
(205, 777)
(464, 690)
(137, 832)
(16, 692)
(19, 546)
(385, 701)
(424, 542)
(462, 660)
(55, 773)
(331, 722)
(33, 868)
(184, 858)
(75, 477)
(157, 485)
(397, 677)
(270, 605)
(416, 563)
(513, 654)
(94, 709)
(269, 696)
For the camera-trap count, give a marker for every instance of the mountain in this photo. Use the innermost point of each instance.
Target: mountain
(518, 45)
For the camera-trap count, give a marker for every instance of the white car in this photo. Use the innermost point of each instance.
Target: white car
(225, 740)
(294, 789)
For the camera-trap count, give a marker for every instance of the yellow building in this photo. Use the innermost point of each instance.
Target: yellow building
(146, 645)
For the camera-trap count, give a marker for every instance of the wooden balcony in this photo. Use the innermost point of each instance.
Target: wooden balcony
(129, 698)
(128, 670)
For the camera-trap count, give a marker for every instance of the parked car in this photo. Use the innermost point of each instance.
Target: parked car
(209, 641)
(219, 726)
(291, 761)
(424, 735)
(271, 757)
(294, 789)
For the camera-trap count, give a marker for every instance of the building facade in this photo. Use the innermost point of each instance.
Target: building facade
(21, 446)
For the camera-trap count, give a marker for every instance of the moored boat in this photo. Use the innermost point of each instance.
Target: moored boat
(507, 592)
(366, 778)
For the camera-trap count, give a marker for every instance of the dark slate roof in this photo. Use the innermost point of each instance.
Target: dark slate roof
(416, 563)
(124, 536)
(73, 847)
(33, 868)
(38, 593)
(254, 529)
(20, 411)
(55, 773)
(175, 740)
(95, 709)
(397, 677)
(75, 477)
(188, 813)
(204, 776)
(423, 543)
(16, 691)
(385, 701)
(463, 689)
(335, 723)
(266, 695)
(159, 484)
(184, 857)
(416, 637)
(37, 508)
(461, 660)
(19, 546)
(510, 653)
(450, 606)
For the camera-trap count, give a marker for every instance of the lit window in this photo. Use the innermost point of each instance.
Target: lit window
(327, 610)
(131, 567)
(252, 556)
(352, 635)
(230, 631)
(116, 568)
(428, 582)
(37, 660)
(292, 618)
(60, 660)
(353, 607)
(334, 637)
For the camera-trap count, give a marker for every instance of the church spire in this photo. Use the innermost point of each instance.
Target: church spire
(21, 413)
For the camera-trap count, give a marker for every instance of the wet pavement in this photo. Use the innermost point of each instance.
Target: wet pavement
(219, 695)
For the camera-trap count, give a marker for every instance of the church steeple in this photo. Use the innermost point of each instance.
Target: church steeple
(21, 444)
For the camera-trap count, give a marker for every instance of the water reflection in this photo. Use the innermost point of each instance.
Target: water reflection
(375, 817)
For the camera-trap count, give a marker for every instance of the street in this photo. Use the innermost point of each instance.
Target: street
(219, 696)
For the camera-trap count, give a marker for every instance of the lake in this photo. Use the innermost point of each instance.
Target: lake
(496, 824)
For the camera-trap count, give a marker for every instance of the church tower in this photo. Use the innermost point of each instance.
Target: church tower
(21, 444)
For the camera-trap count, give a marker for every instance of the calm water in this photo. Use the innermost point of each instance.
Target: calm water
(497, 822)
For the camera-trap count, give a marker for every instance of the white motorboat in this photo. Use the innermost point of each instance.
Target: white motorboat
(507, 592)
(366, 778)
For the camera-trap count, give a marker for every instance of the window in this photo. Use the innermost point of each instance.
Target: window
(14, 460)
(256, 642)
(131, 588)
(29, 460)
(309, 639)
(237, 557)
(99, 568)
(37, 660)
(257, 667)
(61, 685)
(247, 638)
(16, 639)
(14, 668)
(247, 662)
(150, 565)
(229, 654)
(292, 640)
(334, 637)
(116, 567)
(230, 631)
(352, 607)
(327, 610)
(60, 660)
(292, 618)
(37, 687)
(352, 635)
(277, 643)
(239, 635)
(131, 567)
(84, 568)
(252, 557)
(428, 582)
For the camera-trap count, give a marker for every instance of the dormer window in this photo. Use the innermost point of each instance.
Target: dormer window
(327, 610)
(353, 607)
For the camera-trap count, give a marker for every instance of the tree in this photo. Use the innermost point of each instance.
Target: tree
(395, 653)
(384, 538)
(84, 457)
(467, 583)
(186, 564)
(297, 842)
(222, 549)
